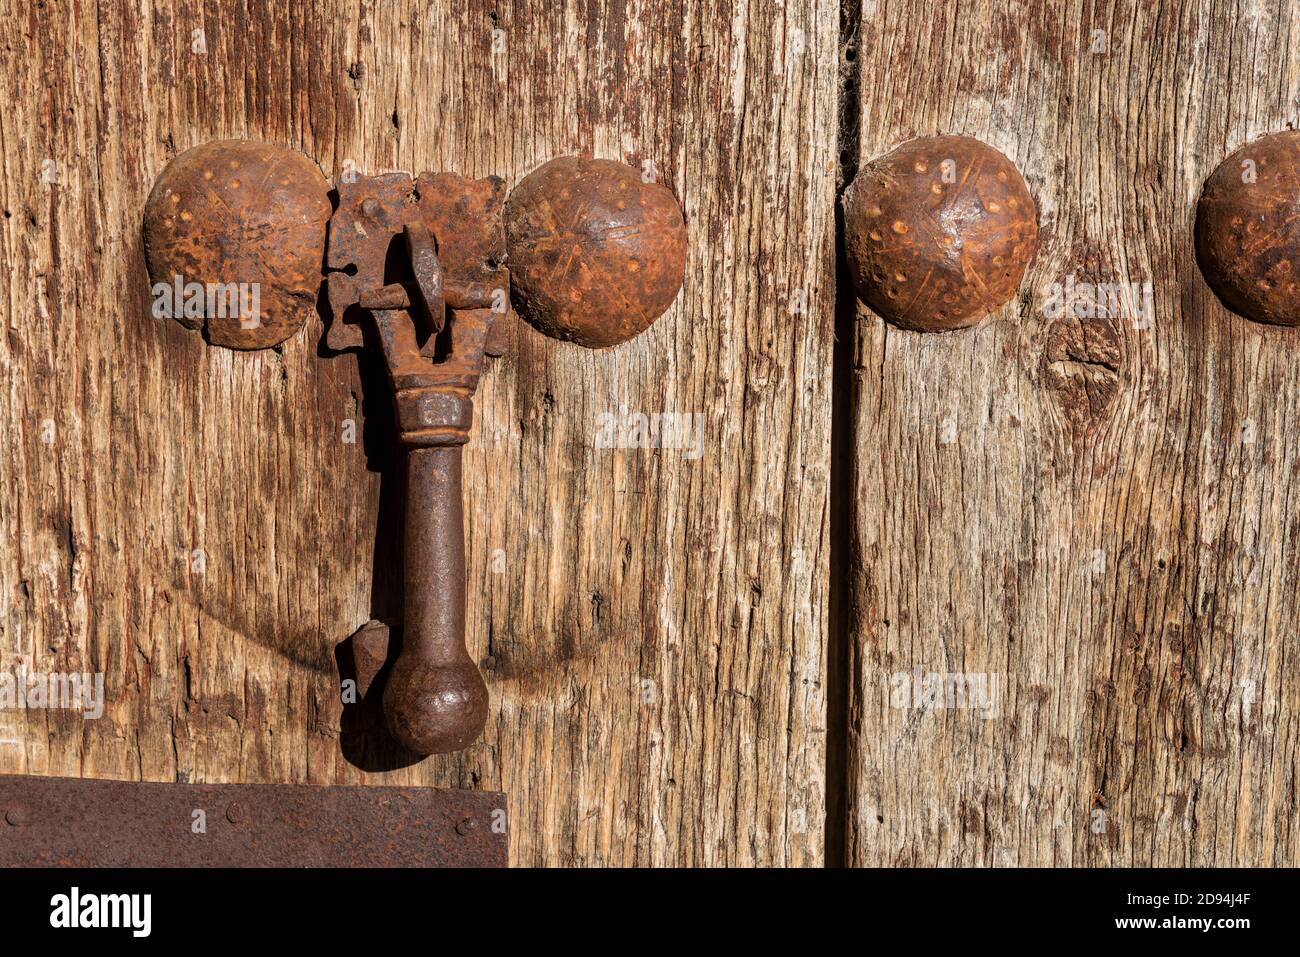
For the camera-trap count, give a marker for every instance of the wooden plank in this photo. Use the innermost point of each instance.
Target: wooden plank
(652, 623)
(1099, 511)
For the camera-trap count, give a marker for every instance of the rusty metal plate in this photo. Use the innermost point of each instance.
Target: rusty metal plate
(462, 214)
(79, 822)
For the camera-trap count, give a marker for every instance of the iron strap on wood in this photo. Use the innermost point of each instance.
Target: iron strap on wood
(80, 822)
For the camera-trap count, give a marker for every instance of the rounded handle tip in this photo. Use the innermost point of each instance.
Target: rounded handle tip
(435, 708)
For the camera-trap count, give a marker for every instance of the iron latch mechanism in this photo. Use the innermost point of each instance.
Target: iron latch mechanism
(421, 260)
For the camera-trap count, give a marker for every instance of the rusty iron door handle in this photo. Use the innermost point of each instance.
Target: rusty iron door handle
(416, 271)
(435, 699)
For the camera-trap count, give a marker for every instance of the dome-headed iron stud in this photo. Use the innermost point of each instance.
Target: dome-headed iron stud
(234, 234)
(1248, 232)
(595, 252)
(939, 232)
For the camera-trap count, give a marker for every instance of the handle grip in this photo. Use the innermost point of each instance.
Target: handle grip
(435, 701)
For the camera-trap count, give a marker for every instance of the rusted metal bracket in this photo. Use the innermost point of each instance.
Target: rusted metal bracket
(404, 253)
(461, 217)
(79, 822)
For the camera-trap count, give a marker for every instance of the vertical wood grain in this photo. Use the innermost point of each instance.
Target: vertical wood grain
(1101, 512)
(652, 625)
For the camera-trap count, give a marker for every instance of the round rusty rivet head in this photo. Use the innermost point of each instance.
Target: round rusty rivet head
(939, 232)
(17, 814)
(465, 826)
(596, 254)
(1248, 233)
(235, 813)
(234, 233)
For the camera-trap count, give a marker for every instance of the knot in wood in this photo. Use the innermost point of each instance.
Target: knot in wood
(1081, 370)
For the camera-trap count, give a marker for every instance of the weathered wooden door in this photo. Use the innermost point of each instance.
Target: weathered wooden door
(1096, 514)
(1098, 511)
(193, 522)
